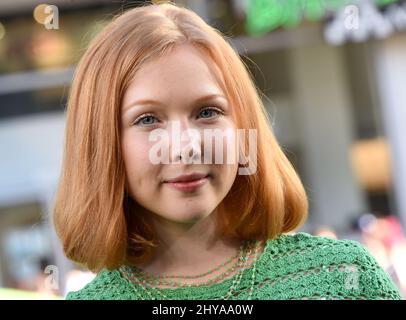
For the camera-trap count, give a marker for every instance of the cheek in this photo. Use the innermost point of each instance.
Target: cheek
(226, 170)
(230, 152)
(135, 150)
(224, 146)
(229, 172)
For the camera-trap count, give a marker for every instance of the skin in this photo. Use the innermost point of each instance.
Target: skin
(184, 220)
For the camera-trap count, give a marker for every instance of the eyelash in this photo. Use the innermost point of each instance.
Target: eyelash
(139, 119)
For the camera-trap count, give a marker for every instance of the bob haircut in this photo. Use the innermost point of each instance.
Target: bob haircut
(93, 214)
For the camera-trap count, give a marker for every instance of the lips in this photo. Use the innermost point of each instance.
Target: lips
(188, 177)
(188, 183)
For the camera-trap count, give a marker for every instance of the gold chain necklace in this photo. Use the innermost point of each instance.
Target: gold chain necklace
(245, 252)
(143, 278)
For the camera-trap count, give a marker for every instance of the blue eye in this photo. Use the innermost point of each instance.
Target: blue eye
(142, 120)
(209, 111)
(206, 113)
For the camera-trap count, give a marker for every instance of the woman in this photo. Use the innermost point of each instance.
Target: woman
(155, 222)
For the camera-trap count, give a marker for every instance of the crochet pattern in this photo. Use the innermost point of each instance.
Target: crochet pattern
(294, 266)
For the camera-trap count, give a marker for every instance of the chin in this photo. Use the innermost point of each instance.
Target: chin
(188, 217)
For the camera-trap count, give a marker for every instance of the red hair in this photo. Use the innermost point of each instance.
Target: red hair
(97, 224)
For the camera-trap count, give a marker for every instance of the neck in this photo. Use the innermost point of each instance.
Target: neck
(189, 248)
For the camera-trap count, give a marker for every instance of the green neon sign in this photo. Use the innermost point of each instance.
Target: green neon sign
(266, 15)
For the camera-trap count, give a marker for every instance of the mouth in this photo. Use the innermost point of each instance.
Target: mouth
(188, 183)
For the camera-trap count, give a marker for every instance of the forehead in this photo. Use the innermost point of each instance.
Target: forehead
(183, 72)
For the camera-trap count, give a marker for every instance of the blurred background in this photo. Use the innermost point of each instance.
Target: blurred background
(332, 75)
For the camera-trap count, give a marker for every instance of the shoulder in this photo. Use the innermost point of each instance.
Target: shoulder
(107, 285)
(327, 249)
(342, 268)
(303, 240)
(318, 249)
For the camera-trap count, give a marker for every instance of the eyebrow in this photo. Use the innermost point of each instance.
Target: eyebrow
(151, 101)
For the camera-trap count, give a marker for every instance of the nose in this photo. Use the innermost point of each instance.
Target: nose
(185, 142)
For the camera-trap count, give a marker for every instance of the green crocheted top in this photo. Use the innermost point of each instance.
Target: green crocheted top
(292, 266)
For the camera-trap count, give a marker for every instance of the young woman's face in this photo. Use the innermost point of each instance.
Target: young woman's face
(175, 82)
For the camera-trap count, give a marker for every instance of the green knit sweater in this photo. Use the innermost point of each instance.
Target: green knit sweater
(292, 266)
